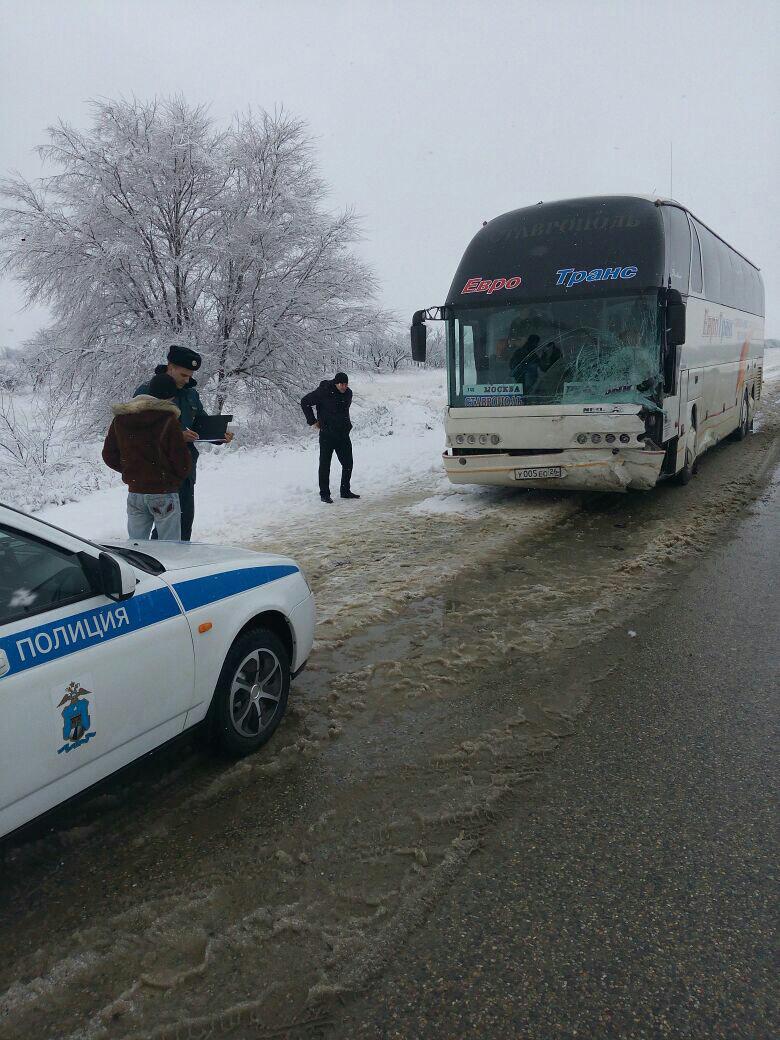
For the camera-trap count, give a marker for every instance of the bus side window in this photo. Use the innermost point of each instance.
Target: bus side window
(679, 249)
(710, 254)
(755, 297)
(739, 281)
(750, 287)
(696, 279)
(758, 292)
(728, 281)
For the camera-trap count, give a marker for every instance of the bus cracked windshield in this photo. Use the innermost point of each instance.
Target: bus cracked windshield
(627, 340)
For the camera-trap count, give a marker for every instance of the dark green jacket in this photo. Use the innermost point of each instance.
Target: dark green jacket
(187, 400)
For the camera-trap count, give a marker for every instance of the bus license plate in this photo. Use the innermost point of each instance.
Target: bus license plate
(538, 472)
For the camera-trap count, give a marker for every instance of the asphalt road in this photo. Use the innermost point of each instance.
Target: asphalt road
(632, 891)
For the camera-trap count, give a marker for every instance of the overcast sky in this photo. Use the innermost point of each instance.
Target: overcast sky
(430, 116)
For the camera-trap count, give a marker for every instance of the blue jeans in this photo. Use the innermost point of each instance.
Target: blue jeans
(187, 505)
(160, 511)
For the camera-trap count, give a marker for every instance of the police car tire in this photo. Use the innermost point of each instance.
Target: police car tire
(223, 732)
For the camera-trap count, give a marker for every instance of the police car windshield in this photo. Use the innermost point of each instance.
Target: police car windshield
(556, 352)
(137, 559)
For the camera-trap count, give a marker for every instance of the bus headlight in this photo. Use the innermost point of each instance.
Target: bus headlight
(610, 438)
(494, 439)
(582, 438)
(595, 438)
(460, 439)
(483, 438)
(624, 438)
(471, 439)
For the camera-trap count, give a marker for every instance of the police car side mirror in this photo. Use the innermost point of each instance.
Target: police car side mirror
(419, 334)
(117, 577)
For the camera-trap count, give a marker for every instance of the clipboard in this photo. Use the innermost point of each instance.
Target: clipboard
(211, 427)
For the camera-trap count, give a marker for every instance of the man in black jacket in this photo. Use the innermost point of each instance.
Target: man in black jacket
(332, 399)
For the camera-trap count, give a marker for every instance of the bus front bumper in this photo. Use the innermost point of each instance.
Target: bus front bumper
(569, 470)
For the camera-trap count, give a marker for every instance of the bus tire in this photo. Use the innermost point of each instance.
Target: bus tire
(743, 429)
(691, 464)
(686, 473)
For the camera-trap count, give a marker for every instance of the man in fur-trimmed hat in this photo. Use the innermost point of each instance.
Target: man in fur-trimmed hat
(144, 444)
(181, 364)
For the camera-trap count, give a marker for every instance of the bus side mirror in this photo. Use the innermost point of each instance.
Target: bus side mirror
(675, 324)
(419, 335)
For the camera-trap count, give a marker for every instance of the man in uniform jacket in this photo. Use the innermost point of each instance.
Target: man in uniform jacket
(144, 444)
(332, 399)
(182, 362)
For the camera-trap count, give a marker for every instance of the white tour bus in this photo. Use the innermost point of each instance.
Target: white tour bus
(596, 343)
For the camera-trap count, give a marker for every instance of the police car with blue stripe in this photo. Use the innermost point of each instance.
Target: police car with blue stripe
(108, 652)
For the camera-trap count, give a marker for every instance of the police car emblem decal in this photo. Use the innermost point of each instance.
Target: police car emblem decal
(77, 721)
(5, 666)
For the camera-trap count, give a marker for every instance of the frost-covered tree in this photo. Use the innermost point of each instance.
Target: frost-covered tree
(9, 371)
(386, 349)
(437, 349)
(157, 225)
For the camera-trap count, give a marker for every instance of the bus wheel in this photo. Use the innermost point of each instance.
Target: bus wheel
(691, 464)
(743, 429)
(685, 474)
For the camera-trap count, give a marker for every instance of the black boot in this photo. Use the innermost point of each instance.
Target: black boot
(349, 494)
(327, 498)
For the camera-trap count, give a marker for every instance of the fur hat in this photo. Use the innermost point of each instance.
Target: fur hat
(184, 357)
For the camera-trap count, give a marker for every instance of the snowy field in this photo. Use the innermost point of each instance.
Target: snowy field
(242, 494)
(772, 365)
(246, 495)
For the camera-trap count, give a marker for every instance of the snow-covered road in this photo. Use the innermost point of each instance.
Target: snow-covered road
(201, 898)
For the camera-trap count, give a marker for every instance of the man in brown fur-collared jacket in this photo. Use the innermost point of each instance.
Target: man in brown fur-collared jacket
(145, 444)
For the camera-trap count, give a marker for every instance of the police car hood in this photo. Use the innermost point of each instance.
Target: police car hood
(177, 556)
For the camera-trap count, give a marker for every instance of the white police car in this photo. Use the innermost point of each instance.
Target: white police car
(108, 652)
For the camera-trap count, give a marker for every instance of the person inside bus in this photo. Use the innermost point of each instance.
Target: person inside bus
(545, 380)
(522, 353)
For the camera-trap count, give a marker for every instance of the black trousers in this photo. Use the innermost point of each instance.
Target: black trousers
(342, 445)
(187, 504)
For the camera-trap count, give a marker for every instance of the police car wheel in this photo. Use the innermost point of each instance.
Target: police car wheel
(251, 695)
